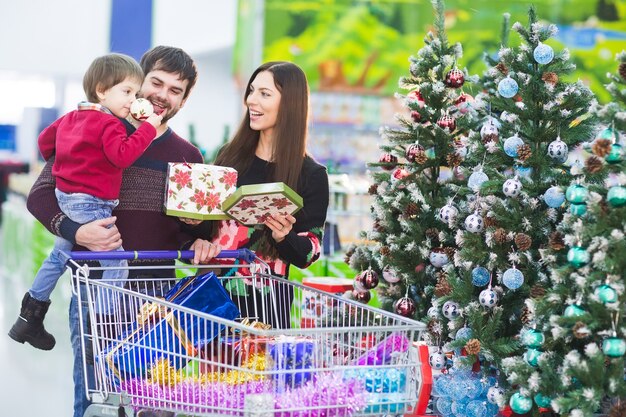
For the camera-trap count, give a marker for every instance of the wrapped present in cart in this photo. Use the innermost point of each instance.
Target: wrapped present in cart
(176, 356)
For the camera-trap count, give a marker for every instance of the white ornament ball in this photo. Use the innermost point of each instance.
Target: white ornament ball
(543, 54)
(512, 187)
(557, 150)
(511, 145)
(390, 275)
(476, 180)
(433, 312)
(495, 395)
(488, 298)
(448, 213)
(474, 223)
(554, 197)
(437, 360)
(451, 310)
(507, 87)
(489, 132)
(141, 109)
(438, 258)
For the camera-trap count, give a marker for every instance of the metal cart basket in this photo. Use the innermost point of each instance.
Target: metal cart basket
(156, 350)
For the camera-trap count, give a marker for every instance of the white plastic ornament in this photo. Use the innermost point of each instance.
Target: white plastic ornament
(390, 275)
(495, 394)
(433, 312)
(558, 150)
(476, 180)
(448, 213)
(511, 144)
(438, 258)
(489, 132)
(474, 223)
(512, 187)
(141, 109)
(507, 87)
(451, 310)
(437, 360)
(513, 278)
(488, 298)
(543, 54)
(554, 197)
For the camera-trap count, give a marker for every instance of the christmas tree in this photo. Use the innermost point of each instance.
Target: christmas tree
(512, 199)
(407, 246)
(576, 338)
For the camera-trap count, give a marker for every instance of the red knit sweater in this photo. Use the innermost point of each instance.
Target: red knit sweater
(91, 151)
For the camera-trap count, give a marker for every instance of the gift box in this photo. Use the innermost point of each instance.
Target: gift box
(254, 204)
(197, 191)
(161, 333)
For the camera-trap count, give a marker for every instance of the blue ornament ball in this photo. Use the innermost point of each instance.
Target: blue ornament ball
(523, 172)
(464, 333)
(480, 276)
(507, 87)
(511, 144)
(554, 197)
(476, 180)
(513, 278)
(543, 54)
(444, 406)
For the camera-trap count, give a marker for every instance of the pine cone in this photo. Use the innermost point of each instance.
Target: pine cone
(420, 157)
(434, 327)
(502, 68)
(593, 164)
(411, 210)
(523, 241)
(500, 235)
(433, 234)
(622, 73)
(537, 291)
(556, 241)
(524, 152)
(490, 221)
(619, 409)
(601, 147)
(346, 259)
(526, 317)
(580, 330)
(550, 77)
(373, 190)
(443, 287)
(385, 251)
(472, 347)
(378, 227)
(454, 159)
(450, 251)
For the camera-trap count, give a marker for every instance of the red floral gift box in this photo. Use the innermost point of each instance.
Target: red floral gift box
(253, 204)
(197, 191)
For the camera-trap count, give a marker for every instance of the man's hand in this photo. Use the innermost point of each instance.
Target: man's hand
(99, 235)
(204, 251)
(190, 222)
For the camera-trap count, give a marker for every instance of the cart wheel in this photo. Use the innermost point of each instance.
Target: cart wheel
(107, 410)
(155, 413)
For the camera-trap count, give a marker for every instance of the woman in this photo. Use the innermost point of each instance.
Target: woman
(270, 146)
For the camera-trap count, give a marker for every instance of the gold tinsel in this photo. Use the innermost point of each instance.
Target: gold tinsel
(502, 68)
(619, 409)
(524, 152)
(593, 164)
(443, 287)
(454, 159)
(537, 291)
(411, 210)
(556, 241)
(622, 73)
(526, 317)
(601, 147)
(580, 330)
(472, 347)
(523, 241)
(550, 77)
(500, 235)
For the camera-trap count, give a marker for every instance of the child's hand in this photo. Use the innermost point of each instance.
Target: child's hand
(155, 120)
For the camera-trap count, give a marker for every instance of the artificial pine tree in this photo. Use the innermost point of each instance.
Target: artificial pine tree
(576, 338)
(511, 200)
(408, 246)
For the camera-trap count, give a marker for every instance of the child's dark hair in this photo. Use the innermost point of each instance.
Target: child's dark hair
(173, 60)
(107, 71)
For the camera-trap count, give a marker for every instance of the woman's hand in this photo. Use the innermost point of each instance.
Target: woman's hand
(280, 226)
(191, 222)
(204, 251)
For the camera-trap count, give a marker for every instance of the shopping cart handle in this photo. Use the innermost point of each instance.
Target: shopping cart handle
(245, 255)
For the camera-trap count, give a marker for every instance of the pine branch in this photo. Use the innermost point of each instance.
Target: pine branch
(440, 21)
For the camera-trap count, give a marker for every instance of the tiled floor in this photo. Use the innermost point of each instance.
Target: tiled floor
(34, 382)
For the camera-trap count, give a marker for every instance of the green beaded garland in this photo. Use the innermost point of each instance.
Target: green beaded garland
(616, 154)
(573, 311)
(606, 294)
(616, 196)
(520, 404)
(532, 338)
(576, 193)
(542, 401)
(578, 256)
(614, 347)
(578, 209)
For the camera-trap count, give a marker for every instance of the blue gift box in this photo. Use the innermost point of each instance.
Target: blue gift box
(169, 334)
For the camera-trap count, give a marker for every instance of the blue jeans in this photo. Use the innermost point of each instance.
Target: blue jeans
(81, 208)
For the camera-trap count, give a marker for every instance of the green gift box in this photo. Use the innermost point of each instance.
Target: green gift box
(254, 204)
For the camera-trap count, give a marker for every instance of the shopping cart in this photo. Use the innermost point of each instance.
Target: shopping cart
(154, 352)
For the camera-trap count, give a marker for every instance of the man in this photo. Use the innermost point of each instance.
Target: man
(138, 219)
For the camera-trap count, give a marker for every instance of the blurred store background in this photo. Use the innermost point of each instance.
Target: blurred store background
(353, 52)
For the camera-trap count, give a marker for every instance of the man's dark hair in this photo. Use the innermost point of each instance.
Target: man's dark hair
(173, 60)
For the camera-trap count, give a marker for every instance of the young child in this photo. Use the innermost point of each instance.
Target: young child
(91, 148)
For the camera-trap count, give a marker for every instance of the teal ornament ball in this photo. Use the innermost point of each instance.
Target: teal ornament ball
(542, 400)
(573, 311)
(531, 356)
(607, 134)
(554, 197)
(543, 54)
(513, 278)
(616, 154)
(578, 256)
(578, 209)
(532, 338)
(520, 404)
(576, 193)
(507, 87)
(616, 196)
(606, 294)
(614, 347)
